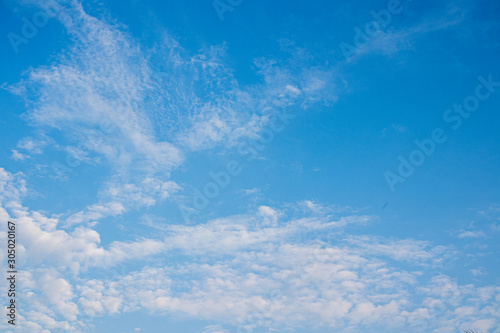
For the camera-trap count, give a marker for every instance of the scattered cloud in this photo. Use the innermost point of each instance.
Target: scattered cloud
(17, 156)
(141, 112)
(260, 262)
(472, 234)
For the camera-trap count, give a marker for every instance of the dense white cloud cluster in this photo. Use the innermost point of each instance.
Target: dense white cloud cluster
(242, 270)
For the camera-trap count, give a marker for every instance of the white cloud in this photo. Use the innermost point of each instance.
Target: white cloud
(472, 234)
(294, 285)
(270, 216)
(109, 96)
(237, 268)
(251, 191)
(17, 156)
(139, 110)
(118, 198)
(12, 190)
(392, 41)
(58, 292)
(417, 252)
(214, 329)
(96, 212)
(34, 146)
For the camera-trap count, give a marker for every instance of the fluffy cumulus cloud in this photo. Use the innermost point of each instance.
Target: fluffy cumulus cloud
(260, 270)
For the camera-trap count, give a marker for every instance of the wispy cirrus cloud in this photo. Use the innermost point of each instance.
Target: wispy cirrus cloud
(139, 110)
(393, 40)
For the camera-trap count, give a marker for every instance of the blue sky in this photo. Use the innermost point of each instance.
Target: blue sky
(252, 166)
